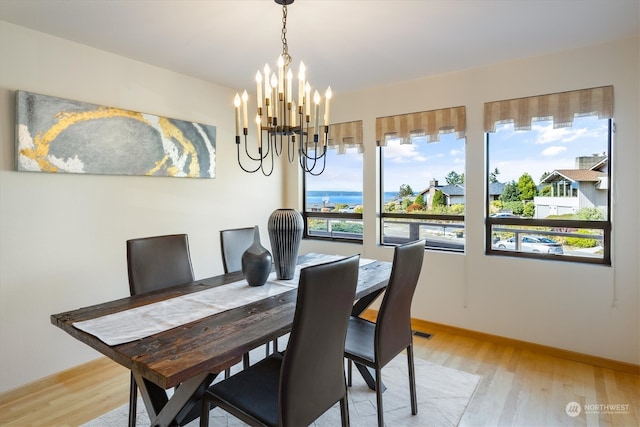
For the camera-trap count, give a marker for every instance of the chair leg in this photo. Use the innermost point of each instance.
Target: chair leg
(344, 410)
(204, 411)
(349, 371)
(266, 349)
(379, 396)
(412, 380)
(227, 373)
(133, 401)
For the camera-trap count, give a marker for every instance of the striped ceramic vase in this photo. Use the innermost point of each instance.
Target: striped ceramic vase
(285, 233)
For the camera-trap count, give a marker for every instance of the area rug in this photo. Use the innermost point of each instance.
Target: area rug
(443, 395)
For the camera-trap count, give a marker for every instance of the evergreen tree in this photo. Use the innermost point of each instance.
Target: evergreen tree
(419, 201)
(527, 187)
(510, 193)
(529, 210)
(493, 176)
(454, 178)
(438, 199)
(405, 190)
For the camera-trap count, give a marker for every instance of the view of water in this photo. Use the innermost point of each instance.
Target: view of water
(351, 198)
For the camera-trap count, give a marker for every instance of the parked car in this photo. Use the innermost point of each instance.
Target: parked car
(349, 209)
(504, 215)
(532, 244)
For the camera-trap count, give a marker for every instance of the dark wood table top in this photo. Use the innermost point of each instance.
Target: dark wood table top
(210, 344)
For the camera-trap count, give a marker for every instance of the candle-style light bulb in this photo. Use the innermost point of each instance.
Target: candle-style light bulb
(294, 113)
(301, 76)
(259, 89)
(327, 97)
(267, 87)
(307, 98)
(274, 96)
(289, 84)
(267, 95)
(316, 100)
(236, 103)
(245, 98)
(259, 129)
(281, 74)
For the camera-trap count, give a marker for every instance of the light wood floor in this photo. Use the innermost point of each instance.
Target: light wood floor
(519, 387)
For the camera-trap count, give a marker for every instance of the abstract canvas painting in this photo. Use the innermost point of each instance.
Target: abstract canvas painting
(64, 136)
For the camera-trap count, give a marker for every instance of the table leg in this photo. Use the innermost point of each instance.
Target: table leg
(363, 303)
(133, 401)
(368, 375)
(165, 411)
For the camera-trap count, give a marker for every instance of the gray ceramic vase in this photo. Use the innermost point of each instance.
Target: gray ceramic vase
(285, 233)
(256, 262)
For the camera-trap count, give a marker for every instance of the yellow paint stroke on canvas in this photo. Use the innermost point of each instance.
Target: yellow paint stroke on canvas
(42, 141)
(169, 130)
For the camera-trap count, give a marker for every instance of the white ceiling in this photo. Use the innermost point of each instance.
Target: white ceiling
(349, 44)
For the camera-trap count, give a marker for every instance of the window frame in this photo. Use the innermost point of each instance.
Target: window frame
(430, 124)
(342, 136)
(413, 235)
(330, 216)
(605, 225)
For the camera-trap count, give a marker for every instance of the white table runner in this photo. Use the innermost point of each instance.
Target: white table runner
(140, 322)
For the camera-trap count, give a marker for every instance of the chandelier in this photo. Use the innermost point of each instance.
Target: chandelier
(282, 121)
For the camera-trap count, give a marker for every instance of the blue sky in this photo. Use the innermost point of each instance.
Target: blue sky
(543, 149)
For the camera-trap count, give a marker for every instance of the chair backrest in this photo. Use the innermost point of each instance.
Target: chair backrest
(158, 262)
(233, 243)
(393, 325)
(312, 375)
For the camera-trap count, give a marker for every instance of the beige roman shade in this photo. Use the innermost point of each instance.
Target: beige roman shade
(425, 123)
(346, 135)
(561, 107)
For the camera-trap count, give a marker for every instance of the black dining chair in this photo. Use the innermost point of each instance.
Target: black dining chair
(158, 262)
(296, 387)
(155, 263)
(233, 243)
(375, 344)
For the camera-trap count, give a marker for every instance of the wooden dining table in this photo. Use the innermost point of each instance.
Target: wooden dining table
(190, 356)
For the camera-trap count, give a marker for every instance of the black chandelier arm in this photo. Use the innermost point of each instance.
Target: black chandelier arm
(240, 162)
(304, 159)
(261, 155)
(291, 149)
(264, 172)
(260, 159)
(304, 150)
(312, 170)
(276, 142)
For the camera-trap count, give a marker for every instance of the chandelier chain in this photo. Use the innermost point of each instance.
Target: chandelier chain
(285, 47)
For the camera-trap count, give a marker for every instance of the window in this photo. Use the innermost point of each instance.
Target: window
(548, 176)
(422, 178)
(333, 200)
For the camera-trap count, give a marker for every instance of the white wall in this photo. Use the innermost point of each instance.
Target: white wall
(63, 236)
(584, 308)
